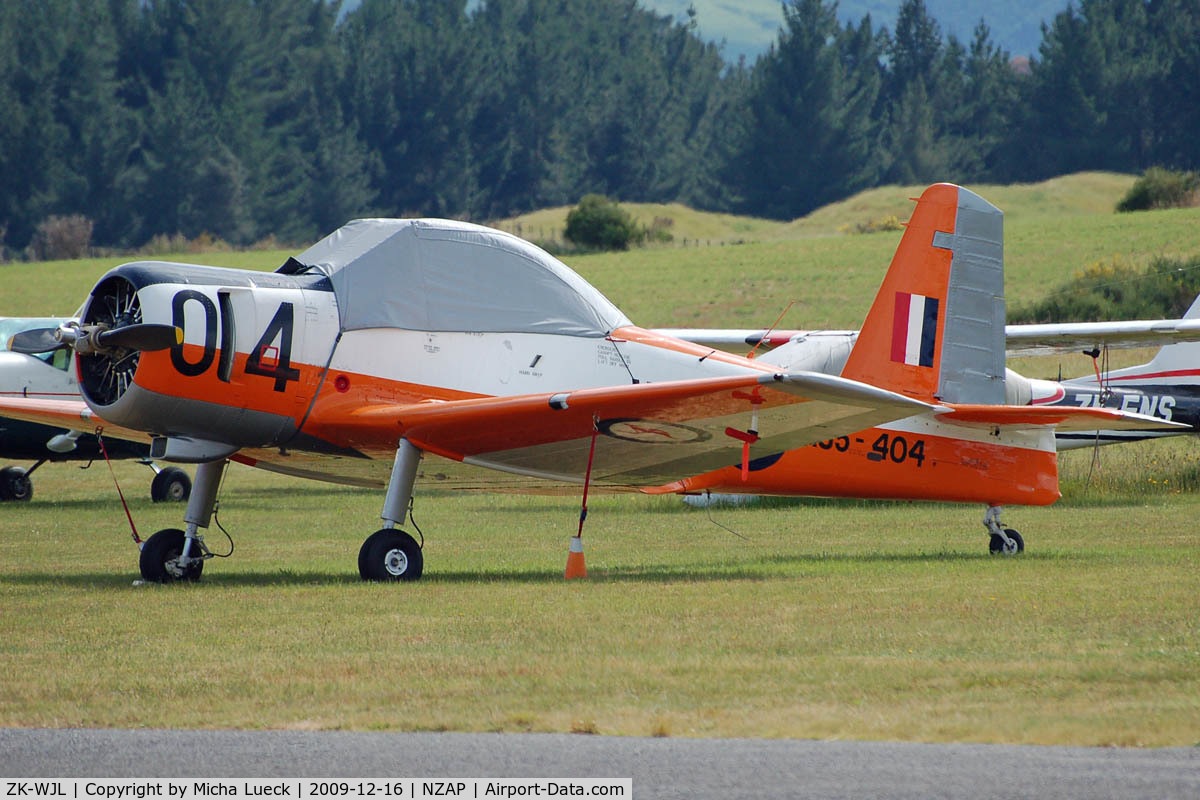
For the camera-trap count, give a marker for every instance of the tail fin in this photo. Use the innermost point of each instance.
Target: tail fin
(936, 328)
(1173, 364)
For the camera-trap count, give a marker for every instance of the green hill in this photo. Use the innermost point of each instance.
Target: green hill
(741, 271)
(1082, 193)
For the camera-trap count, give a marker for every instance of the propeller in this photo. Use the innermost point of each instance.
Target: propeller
(140, 336)
(35, 341)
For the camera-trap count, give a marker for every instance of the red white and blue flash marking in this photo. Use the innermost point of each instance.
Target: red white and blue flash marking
(914, 329)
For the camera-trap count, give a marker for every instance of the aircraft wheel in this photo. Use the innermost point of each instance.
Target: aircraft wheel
(171, 484)
(15, 484)
(159, 554)
(390, 555)
(996, 543)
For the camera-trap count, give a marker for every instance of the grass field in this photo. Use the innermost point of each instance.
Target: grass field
(829, 619)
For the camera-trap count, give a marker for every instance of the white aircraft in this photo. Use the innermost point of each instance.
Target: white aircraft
(49, 376)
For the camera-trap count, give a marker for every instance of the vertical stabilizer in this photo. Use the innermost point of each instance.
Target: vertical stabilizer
(1173, 365)
(936, 328)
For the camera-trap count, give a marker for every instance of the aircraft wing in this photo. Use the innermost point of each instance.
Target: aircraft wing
(63, 413)
(647, 434)
(1021, 340)
(1075, 337)
(1065, 419)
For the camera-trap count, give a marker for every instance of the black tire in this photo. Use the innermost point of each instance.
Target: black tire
(996, 543)
(171, 484)
(366, 548)
(390, 555)
(15, 484)
(161, 549)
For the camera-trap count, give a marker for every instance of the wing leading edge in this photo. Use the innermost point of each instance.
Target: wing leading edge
(60, 413)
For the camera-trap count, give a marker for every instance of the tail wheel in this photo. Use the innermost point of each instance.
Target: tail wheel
(390, 555)
(160, 558)
(15, 484)
(997, 545)
(171, 484)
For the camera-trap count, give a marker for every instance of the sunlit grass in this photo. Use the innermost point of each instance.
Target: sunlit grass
(833, 619)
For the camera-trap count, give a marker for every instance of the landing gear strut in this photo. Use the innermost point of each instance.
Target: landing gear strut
(174, 555)
(390, 554)
(1002, 540)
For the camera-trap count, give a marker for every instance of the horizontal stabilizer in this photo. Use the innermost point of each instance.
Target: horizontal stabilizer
(1063, 418)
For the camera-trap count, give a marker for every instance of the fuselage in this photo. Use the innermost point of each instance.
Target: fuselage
(1154, 396)
(266, 368)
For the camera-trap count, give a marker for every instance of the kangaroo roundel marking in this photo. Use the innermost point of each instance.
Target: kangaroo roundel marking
(649, 431)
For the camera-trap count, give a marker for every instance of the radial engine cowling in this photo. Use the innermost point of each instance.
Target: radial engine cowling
(168, 393)
(106, 375)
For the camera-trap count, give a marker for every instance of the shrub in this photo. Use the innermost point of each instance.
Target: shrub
(1115, 290)
(162, 244)
(660, 230)
(61, 238)
(1162, 188)
(889, 223)
(600, 224)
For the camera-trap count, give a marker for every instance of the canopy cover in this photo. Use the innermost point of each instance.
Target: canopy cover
(443, 275)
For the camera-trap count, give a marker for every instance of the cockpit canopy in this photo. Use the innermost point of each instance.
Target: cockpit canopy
(443, 275)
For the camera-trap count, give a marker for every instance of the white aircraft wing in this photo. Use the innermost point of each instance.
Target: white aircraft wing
(1075, 337)
(1022, 340)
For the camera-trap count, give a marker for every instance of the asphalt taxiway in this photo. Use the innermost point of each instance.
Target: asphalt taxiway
(659, 767)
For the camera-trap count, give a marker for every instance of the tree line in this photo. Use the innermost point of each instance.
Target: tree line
(244, 119)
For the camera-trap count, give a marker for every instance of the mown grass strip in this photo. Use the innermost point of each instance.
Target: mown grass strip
(836, 619)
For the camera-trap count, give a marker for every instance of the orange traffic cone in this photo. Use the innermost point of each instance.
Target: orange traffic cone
(575, 565)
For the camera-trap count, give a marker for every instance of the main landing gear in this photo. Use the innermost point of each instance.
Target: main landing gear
(390, 554)
(1005, 541)
(170, 484)
(15, 483)
(175, 555)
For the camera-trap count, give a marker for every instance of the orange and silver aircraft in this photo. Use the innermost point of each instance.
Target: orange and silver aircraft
(398, 351)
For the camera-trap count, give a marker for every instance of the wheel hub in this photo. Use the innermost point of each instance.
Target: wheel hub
(395, 562)
(171, 565)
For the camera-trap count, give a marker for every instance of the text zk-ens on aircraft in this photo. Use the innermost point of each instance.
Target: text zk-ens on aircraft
(394, 352)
